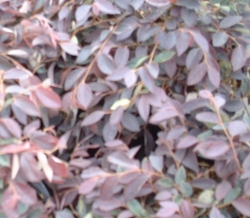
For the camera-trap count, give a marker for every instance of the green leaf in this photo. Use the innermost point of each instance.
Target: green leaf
(35, 213)
(136, 62)
(22, 208)
(232, 195)
(180, 175)
(206, 197)
(186, 189)
(177, 199)
(81, 207)
(166, 182)
(5, 160)
(8, 141)
(164, 56)
(136, 208)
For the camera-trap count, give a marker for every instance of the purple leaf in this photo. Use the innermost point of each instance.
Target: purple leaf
(84, 95)
(207, 117)
(70, 48)
(159, 3)
(239, 58)
(156, 162)
(129, 121)
(187, 209)
(82, 14)
(107, 7)
(92, 172)
(92, 118)
(194, 57)
(147, 79)
(196, 74)
(168, 209)
(143, 107)
(108, 187)
(242, 205)
(109, 132)
(120, 73)
(186, 142)
(130, 79)
(153, 69)
(230, 21)
(212, 149)
(105, 64)
(215, 213)
(87, 186)
(219, 39)
(237, 127)
(121, 57)
(214, 76)
(222, 190)
(121, 159)
(183, 40)
(200, 40)
(116, 115)
(27, 106)
(162, 115)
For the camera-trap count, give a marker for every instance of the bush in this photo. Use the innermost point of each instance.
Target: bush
(125, 108)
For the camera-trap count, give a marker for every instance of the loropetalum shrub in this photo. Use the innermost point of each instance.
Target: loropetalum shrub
(124, 108)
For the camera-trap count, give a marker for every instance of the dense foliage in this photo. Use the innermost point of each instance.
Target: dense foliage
(124, 108)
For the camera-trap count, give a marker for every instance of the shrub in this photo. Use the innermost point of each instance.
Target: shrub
(124, 108)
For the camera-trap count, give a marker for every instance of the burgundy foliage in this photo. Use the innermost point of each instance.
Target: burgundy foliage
(124, 108)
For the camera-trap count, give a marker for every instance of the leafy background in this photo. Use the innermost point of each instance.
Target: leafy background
(133, 108)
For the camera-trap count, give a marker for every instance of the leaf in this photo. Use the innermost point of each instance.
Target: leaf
(81, 14)
(215, 213)
(207, 117)
(239, 58)
(107, 189)
(27, 106)
(124, 102)
(18, 53)
(136, 62)
(196, 74)
(133, 188)
(183, 40)
(212, 149)
(12, 126)
(168, 209)
(159, 3)
(107, 7)
(121, 56)
(70, 48)
(156, 162)
(84, 95)
(116, 115)
(214, 76)
(119, 74)
(109, 132)
(147, 79)
(48, 98)
(162, 115)
(153, 69)
(92, 171)
(186, 142)
(130, 122)
(180, 175)
(219, 39)
(237, 127)
(130, 79)
(187, 208)
(15, 73)
(92, 118)
(120, 159)
(242, 205)
(164, 56)
(186, 189)
(232, 195)
(222, 190)
(105, 64)
(87, 186)
(47, 169)
(206, 197)
(193, 58)
(135, 207)
(229, 21)
(166, 182)
(200, 39)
